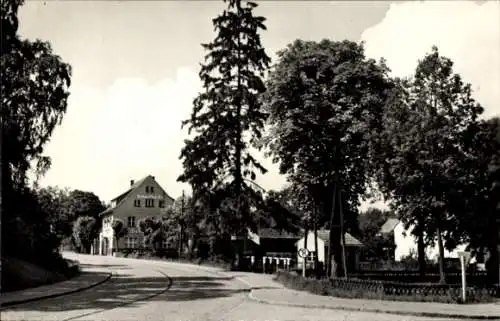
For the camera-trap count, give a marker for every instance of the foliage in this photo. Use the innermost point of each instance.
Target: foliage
(382, 290)
(426, 125)
(84, 232)
(226, 113)
(324, 100)
(34, 84)
(85, 203)
(480, 194)
(279, 212)
(370, 222)
(55, 202)
(63, 207)
(156, 230)
(119, 230)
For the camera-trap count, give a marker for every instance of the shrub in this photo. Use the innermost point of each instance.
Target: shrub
(382, 290)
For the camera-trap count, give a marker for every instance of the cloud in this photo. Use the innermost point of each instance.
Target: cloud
(466, 32)
(128, 130)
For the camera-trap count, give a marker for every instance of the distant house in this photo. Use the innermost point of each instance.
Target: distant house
(406, 243)
(272, 242)
(144, 198)
(353, 247)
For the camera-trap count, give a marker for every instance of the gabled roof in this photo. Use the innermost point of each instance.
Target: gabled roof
(349, 239)
(121, 198)
(389, 225)
(271, 233)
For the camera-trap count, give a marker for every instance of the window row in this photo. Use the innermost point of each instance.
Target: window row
(150, 189)
(149, 203)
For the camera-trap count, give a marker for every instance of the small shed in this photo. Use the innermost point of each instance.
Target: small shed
(353, 247)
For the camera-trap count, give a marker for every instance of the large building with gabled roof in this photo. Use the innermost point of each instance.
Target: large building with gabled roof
(143, 198)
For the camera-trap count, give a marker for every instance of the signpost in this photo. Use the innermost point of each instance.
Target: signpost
(303, 253)
(464, 257)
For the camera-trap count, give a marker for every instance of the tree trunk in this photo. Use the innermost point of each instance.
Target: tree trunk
(304, 260)
(335, 246)
(442, 277)
(116, 246)
(493, 265)
(316, 263)
(422, 266)
(342, 234)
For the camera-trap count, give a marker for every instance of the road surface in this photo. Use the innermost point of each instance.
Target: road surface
(141, 291)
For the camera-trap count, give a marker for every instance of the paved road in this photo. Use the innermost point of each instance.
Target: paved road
(140, 290)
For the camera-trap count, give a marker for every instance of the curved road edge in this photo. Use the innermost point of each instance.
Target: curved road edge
(253, 297)
(57, 290)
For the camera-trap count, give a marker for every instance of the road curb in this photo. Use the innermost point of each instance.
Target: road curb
(54, 295)
(362, 309)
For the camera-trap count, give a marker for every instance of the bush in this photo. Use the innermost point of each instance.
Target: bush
(476, 278)
(382, 290)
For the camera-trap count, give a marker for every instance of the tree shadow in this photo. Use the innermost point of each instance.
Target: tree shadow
(107, 266)
(133, 291)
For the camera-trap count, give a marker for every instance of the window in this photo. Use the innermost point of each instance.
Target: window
(164, 244)
(147, 189)
(151, 189)
(137, 203)
(150, 203)
(130, 242)
(131, 221)
(161, 203)
(311, 256)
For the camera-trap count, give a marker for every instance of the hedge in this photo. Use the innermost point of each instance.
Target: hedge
(474, 278)
(382, 290)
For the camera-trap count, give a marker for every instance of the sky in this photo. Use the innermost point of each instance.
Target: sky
(135, 71)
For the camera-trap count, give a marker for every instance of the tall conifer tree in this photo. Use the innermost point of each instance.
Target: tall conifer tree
(227, 117)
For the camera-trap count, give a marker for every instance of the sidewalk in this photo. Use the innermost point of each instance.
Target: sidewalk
(86, 280)
(265, 290)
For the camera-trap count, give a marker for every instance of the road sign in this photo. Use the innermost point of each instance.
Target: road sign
(465, 255)
(303, 252)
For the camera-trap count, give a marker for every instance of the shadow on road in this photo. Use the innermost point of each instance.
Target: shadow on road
(134, 291)
(106, 266)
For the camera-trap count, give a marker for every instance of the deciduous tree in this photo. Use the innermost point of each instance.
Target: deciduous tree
(119, 230)
(34, 84)
(427, 126)
(84, 232)
(324, 99)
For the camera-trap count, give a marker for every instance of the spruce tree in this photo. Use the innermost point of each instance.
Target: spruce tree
(227, 117)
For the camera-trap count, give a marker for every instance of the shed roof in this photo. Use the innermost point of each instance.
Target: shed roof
(349, 239)
(389, 225)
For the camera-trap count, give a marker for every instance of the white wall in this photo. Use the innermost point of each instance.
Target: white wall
(310, 247)
(407, 244)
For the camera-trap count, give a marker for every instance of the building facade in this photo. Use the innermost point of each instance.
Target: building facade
(144, 198)
(406, 244)
(353, 248)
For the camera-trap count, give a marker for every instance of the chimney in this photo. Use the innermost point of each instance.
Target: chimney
(131, 182)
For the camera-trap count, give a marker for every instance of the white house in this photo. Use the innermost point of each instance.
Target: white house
(406, 243)
(353, 246)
